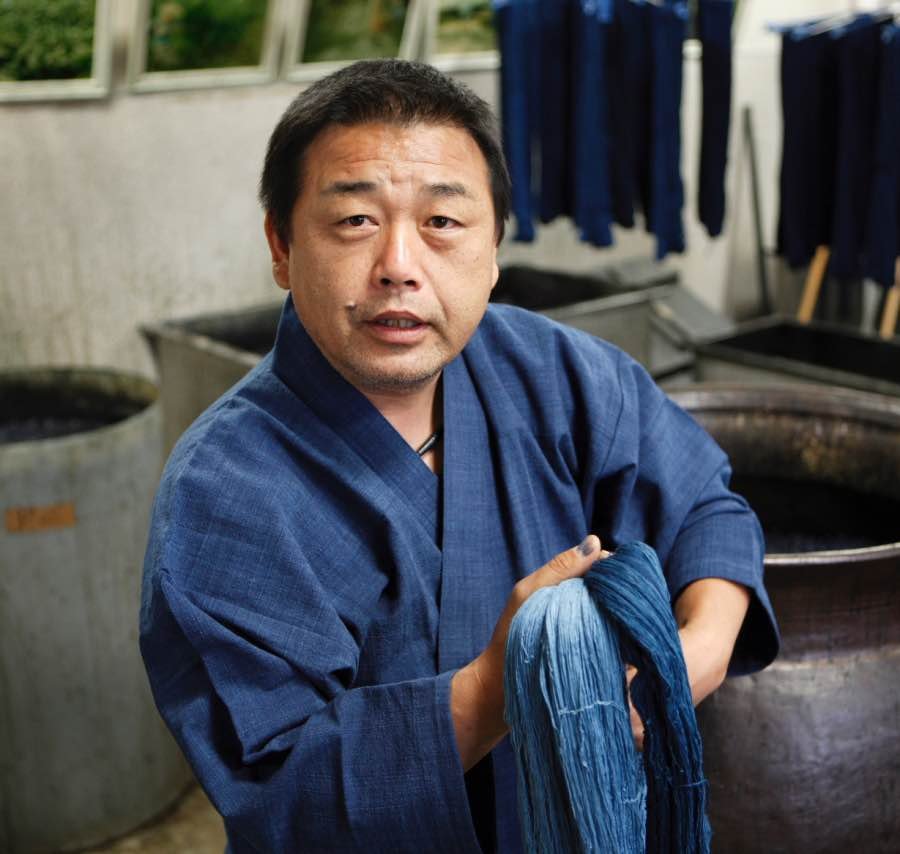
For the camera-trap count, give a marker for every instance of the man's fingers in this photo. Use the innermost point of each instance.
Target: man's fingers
(637, 725)
(571, 563)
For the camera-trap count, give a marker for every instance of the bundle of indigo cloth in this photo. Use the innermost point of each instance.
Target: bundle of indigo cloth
(583, 786)
(590, 95)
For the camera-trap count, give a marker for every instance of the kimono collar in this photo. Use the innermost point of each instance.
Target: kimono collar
(350, 415)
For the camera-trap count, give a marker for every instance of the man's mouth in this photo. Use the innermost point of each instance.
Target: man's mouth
(397, 322)
(398, 327)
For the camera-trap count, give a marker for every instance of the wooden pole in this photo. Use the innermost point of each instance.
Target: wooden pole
(813, 285)
(891, 307)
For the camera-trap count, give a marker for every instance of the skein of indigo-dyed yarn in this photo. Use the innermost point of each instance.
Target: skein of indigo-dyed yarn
(583, 786)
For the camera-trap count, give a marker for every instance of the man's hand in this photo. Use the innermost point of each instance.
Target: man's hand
(476, 690)
(709, 613)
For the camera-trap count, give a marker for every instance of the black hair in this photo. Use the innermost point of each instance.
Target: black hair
(391, 91)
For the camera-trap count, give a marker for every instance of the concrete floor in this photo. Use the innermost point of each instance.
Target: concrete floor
(192, 827)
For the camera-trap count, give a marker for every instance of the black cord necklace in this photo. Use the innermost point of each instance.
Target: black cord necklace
(430, 442)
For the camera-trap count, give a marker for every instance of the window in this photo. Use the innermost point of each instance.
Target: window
(54, 50)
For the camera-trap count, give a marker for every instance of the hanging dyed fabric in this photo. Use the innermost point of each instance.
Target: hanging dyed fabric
(839, 147)
(808, 82)
(714, 31)
(582, 784)
(858, 58)
(591, 110)
(883, 229)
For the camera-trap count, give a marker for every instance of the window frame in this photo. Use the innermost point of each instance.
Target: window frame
(296, 23)
(140, 80)
(482, 60)
(98, 85)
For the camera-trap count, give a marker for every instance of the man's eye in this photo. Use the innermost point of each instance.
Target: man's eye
(442, 221)
(356, 220)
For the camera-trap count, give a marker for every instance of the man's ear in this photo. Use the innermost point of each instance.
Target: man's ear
(281, 254)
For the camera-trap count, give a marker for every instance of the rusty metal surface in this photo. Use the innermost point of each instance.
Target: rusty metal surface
(805, 756)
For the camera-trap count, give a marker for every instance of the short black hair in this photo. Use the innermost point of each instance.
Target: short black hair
(391, 91)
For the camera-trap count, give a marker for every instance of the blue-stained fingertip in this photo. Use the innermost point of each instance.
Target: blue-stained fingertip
(588, 545)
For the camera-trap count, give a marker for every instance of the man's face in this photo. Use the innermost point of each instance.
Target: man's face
(393, 253)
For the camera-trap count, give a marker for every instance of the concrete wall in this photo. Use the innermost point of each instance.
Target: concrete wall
(143, 207)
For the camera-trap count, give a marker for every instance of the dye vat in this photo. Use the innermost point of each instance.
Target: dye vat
(805, 756)
(778, 350)
(84, 755)
(622, 316)
(198, 359)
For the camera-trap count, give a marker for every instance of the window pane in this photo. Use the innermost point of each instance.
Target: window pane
(188, 34)
(48, 40)
(353, 29)
(465, 26)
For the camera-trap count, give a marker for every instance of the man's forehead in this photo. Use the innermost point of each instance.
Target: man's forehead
(348, 158)
(438, 189)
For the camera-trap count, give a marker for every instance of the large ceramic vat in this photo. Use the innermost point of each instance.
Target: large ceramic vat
(84, 755)
(805, 756)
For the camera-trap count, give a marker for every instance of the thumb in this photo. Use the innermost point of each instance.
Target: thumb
(571, 563)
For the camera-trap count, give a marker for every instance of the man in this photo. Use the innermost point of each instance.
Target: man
(325, 607)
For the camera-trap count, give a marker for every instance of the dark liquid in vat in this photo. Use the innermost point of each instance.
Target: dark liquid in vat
(48, 427)
(44, 410)
(804, 516)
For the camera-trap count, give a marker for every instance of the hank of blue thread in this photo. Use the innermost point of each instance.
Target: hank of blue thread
(583, 787)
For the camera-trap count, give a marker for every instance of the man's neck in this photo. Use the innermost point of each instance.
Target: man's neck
(415, 415)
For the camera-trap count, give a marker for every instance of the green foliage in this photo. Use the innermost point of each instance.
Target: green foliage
(353, 29)
(187, 34)
(48, 40)
(465, 26)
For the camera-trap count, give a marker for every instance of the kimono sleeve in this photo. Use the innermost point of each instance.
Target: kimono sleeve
(253, 672)
(665, 481)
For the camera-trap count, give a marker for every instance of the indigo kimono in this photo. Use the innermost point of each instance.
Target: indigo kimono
(310, 586)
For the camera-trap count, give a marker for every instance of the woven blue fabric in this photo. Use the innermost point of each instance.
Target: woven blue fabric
(582, 784)
(311, 586)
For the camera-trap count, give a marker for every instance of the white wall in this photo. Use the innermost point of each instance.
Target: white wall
(144, 207)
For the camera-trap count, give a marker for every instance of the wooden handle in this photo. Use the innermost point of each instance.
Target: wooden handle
(813, 285)
(891, 307)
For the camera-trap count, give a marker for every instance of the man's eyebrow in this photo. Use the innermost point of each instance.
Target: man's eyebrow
(349, 188)
(451, 189)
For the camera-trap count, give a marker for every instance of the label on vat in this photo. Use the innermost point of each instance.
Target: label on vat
(21, 520)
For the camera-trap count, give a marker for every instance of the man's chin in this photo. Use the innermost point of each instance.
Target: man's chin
(396, 382)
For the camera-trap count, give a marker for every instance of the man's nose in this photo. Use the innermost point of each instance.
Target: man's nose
(398, 257)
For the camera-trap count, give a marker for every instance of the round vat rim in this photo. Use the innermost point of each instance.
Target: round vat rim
(861, 406)
(145, 386)
(884, 551)
(793, 399)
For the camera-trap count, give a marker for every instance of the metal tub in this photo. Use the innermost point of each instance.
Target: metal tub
(200, 358)
(805, 756)
(781, 350)
(84, 755)
(622, 316)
